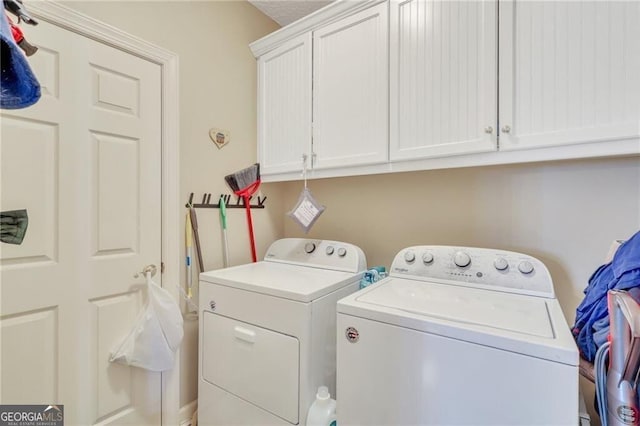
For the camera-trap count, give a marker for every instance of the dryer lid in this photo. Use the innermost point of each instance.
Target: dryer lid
(299, 283)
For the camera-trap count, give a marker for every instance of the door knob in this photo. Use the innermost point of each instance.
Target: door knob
(149, 268)
(506, 129)
(488, 129)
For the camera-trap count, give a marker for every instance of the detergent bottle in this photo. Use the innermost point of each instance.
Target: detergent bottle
(323, 410)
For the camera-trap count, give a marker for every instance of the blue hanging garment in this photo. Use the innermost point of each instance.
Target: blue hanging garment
(19, 87)
(591, 328)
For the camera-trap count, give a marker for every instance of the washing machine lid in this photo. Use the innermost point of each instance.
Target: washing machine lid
(294, 282)
(521, 323)
(501, 311)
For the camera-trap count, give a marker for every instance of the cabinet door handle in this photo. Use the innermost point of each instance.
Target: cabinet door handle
(488, 129)
(506, 129)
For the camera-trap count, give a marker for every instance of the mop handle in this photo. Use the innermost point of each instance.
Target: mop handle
(250, 225)
(194, 225)
(189, 245)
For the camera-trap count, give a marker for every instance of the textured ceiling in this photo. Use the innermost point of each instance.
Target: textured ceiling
(286, 11)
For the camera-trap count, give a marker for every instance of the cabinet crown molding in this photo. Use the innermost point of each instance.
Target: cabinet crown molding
(327, 14)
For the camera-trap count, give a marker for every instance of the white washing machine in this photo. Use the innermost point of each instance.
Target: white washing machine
(457, 336)
(268, 332)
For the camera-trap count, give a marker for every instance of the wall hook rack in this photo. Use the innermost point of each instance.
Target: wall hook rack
(237, 204)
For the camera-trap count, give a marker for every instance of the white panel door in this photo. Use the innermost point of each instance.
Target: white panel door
(350, 90)
(85, 163)
(568, 72)
(284, 106)
(443, 78)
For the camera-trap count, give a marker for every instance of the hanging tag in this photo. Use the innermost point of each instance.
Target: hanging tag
(306, 211)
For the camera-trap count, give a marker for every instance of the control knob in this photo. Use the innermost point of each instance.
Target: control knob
(342, 252)
(461, 259)
(409, 256)
(330, 250)
(309, 247)
(525, 267)
(501, 263)
(427, 258)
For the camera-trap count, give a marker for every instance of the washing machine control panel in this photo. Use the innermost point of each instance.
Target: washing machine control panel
(325, 254)
(476, 267)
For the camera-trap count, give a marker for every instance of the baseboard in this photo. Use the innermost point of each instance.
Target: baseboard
(186, 413)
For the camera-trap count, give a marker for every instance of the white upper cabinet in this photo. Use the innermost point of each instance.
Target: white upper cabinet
(443, 77)
(373, 86)
(284, 106)
(350, 91)
(569, 72)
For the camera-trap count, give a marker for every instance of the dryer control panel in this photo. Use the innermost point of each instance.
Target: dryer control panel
(475, 267)
(324, 254)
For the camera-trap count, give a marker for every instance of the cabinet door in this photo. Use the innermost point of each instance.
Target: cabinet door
(284, 106)
(350, 92)
(443, 78)
(569, 72)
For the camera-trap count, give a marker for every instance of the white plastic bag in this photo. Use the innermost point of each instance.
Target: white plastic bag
(156, 335)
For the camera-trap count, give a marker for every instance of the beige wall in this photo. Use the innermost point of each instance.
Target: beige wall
(564, 213)
(217, 89)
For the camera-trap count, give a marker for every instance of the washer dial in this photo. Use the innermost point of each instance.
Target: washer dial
(409, 256)
(525, 267)
(501, 263)
(461, 259)
(309, 247)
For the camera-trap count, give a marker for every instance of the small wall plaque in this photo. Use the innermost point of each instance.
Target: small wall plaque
(219, 137)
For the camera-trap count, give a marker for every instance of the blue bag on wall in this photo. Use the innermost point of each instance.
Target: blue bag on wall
(19, 87)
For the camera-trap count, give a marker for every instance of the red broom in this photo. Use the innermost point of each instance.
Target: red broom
(244, 184)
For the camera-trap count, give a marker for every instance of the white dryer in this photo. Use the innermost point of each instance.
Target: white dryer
(457, 336)
(268, 332)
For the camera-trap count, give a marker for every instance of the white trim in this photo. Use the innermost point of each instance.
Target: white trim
(186, 413)
(79, 23)
(76, 22)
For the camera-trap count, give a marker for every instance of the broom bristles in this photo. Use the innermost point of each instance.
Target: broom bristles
(231, 181)
(244, 178)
